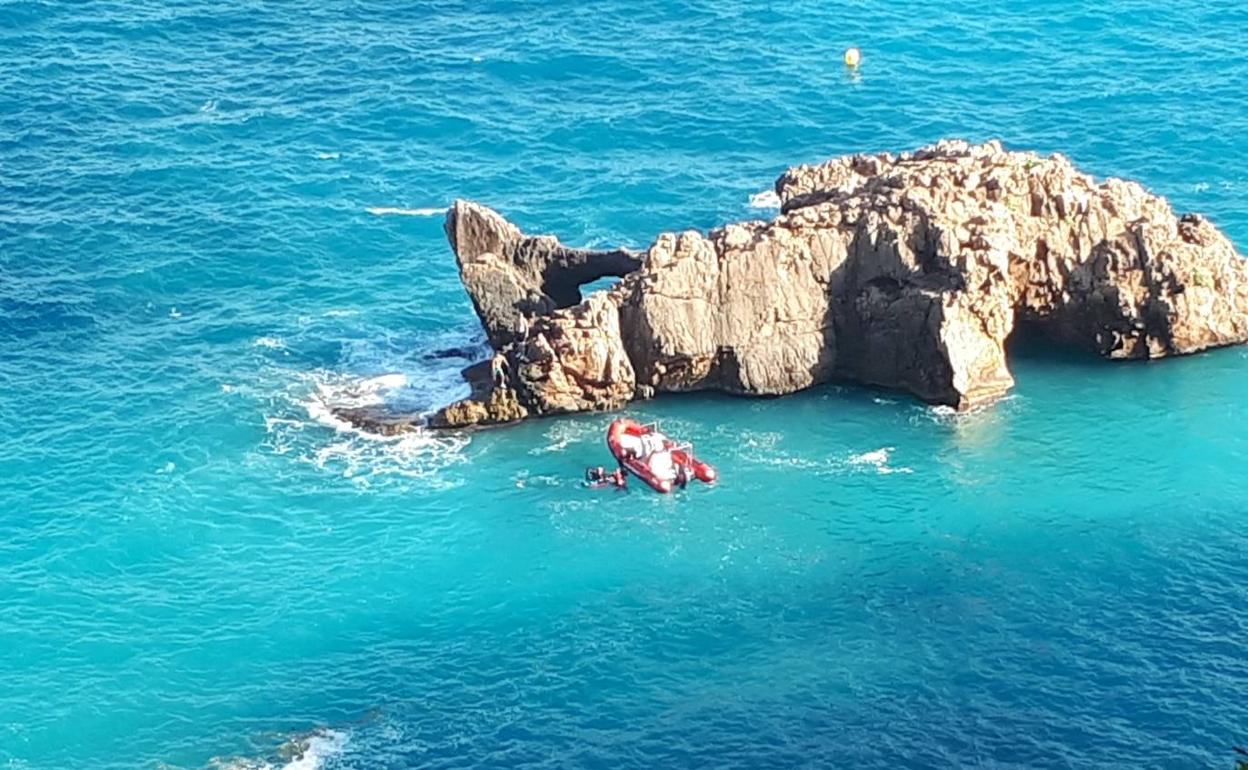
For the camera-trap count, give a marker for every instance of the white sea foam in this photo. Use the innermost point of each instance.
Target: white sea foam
(554, 446)
(561, 435)
(877, 460)
(272, 343)
(310, 752)
(375, 385)
(382, 211)
(340, 393)
(771, 450)
(302, 410)
(310, 405)
(947, 415)
(367, 459)
(306, 752)
(767, 199)
(327, 155)
(875, 457)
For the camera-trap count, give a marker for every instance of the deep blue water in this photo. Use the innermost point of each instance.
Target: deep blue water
(197, 568)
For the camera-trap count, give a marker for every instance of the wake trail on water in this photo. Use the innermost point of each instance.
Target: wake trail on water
(769, 449)
(383, 211)
(878, 461)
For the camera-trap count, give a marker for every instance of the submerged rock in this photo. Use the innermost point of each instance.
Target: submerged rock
(378, 419)
(908, 272)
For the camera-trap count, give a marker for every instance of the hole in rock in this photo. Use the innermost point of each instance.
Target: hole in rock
(601, 284)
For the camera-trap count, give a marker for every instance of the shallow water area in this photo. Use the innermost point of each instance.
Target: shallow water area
(217, 222)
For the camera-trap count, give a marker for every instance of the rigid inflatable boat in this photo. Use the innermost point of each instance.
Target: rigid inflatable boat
(653, 457)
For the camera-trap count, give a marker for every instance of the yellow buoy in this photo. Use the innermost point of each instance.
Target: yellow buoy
(853, 57)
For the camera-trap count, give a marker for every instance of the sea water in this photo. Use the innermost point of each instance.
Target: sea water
(219, 220)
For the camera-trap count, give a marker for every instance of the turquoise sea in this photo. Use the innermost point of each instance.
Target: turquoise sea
(198, 569)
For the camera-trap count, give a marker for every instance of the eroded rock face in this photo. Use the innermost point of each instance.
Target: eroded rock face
(573, 361)
(495, 407)
(906, 271)
(508, 273)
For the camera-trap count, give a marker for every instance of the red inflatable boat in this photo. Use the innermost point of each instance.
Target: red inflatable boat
(653, 457)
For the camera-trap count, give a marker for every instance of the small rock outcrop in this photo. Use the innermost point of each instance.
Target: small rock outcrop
(906, 271)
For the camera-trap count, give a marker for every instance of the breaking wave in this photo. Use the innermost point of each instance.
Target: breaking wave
(302, 407)
(313, 751)
(951, 417)
(767, 199)
(309, 406)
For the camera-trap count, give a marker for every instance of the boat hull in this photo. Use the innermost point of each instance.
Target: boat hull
(627, 440)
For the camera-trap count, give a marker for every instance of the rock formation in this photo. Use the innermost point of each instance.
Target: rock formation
(507, 273)
(907, 271)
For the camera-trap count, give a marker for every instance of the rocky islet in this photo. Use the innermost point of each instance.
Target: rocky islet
(905, 271)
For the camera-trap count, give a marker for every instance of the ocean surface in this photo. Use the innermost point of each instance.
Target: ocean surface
(217, 219)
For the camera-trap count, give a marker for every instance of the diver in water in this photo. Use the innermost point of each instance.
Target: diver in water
(598, 478)
(682, 475)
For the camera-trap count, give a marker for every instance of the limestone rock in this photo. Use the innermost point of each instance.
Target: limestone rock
(574, 361)
(908, 271)
(507, 273)
(497, 407)
(571, 360)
